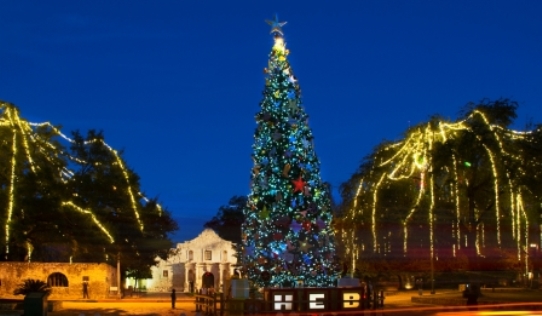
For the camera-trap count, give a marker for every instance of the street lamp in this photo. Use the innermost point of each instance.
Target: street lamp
(432, 275)
(118, 277)
(533, 254)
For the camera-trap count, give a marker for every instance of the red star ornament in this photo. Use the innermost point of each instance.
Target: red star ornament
(299, 184)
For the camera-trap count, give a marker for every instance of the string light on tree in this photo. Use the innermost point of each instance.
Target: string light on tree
(431, 176)
(27, 146)
(287, 237)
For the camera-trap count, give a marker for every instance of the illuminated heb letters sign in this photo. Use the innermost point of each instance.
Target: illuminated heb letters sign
(314, 299)
(281, 299)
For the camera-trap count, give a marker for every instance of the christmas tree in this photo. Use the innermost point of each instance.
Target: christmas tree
(287, 233)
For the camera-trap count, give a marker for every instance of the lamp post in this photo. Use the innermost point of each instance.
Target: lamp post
(432, 275)
(533, 254)
(118, 277)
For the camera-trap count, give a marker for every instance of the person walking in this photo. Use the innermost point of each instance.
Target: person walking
(173, 299)
(471, 293)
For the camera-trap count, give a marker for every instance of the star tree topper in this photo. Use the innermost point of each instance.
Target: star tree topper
(276, 26)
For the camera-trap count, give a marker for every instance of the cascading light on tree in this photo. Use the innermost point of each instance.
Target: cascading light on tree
(27, 147)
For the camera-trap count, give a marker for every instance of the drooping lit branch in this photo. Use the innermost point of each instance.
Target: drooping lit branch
(412, 160)
(24, 135)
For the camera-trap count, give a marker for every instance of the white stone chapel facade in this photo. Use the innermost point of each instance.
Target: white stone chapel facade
(190, 260)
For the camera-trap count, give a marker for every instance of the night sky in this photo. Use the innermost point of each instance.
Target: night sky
(176, 84)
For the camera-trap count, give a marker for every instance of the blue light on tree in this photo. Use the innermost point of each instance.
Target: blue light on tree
(287, 233)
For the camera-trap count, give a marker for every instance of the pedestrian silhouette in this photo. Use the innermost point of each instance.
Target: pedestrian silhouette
(85, 289)
(173, 298)
(471, 293)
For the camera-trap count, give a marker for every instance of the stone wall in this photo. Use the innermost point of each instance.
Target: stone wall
(100, 278)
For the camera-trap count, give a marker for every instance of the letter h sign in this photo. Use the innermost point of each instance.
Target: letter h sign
(283, 302)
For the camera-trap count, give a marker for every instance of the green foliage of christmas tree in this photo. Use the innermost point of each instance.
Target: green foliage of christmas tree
(287, 235)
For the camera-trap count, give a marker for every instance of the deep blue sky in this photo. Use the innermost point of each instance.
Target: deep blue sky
(176, 84)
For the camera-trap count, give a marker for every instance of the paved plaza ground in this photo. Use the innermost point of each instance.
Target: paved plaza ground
(394, 304)
(153, 308)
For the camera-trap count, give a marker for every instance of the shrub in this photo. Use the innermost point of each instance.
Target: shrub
(31, 285)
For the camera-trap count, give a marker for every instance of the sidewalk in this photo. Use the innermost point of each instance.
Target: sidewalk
(151, 304)
(155, 304)
(124, 308)
(141, 297)
(159, 304)
(488, 296)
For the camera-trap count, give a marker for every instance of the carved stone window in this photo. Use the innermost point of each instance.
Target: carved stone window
(57, 279)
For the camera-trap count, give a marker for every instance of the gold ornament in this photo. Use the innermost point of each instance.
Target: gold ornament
(285, 170)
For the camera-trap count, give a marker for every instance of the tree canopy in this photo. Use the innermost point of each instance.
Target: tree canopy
(227, 222)
(467, 191)
(79, 202)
